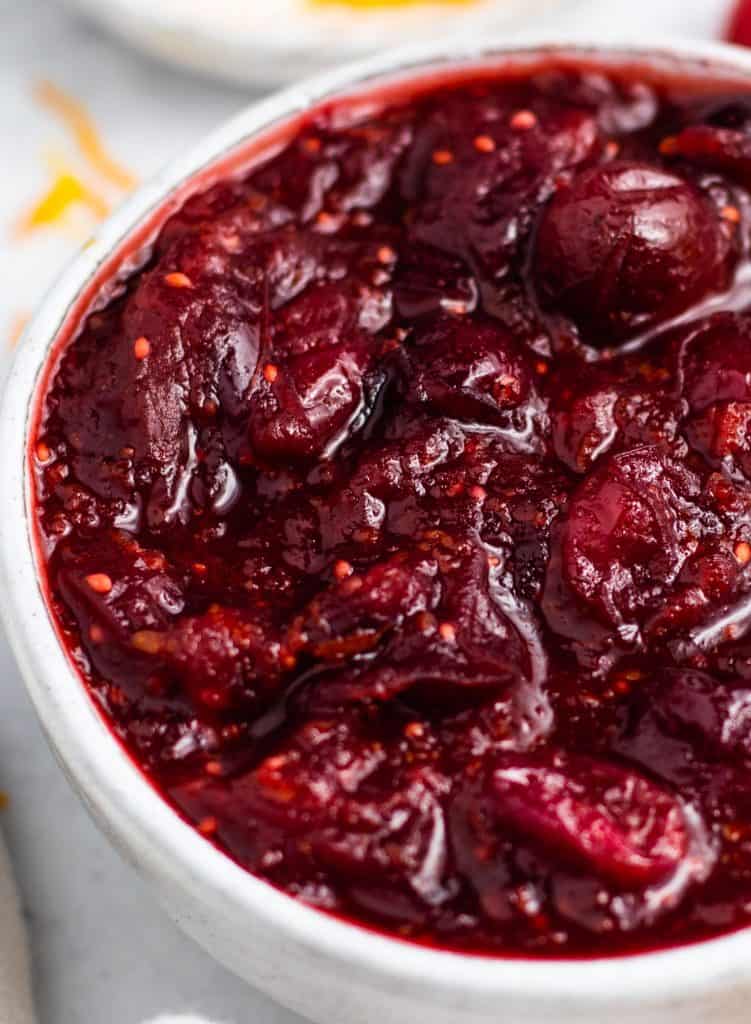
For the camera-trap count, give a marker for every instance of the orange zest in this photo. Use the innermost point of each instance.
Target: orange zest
(65, 192)
(88, 138)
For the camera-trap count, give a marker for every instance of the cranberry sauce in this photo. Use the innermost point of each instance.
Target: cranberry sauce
(398, 514)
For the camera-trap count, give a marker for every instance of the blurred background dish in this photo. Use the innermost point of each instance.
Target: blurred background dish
(253, 41)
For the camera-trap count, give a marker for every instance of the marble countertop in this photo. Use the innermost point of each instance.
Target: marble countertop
(103, 951)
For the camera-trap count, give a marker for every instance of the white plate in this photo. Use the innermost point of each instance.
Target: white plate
(276, 41)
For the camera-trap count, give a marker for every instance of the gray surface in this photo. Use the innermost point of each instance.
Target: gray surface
(103, 952)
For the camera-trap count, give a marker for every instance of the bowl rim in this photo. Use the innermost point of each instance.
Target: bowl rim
(137, 818)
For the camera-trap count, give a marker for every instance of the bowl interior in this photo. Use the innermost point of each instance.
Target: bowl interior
(132, 812)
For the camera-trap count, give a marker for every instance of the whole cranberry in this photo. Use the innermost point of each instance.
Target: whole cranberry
(627, 246)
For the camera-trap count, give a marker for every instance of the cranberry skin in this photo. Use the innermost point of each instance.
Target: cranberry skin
(481, 206)
(223, 659)
(323, 785)
(625, 247)
(715, 366)
(145, 591)
(583, 418)
(286, 794)
(429, 281)
(604, 407)
(716, 716)
(692, 732)
(594, 814)
(518, 720)
(469, 370)
(335, 171)
(387, 483)
(309, 402)
(142, 591)
(575, 827)
(202, 353)
(715, 148)
(301, 785)
(399, 839)
(353, 615)
(716, 362)
(316, 378)
(628, 530)
(462, 643)
(739, 26)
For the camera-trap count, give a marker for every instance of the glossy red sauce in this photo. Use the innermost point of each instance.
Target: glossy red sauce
(397, 513)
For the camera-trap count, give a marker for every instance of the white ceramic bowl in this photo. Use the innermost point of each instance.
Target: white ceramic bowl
(334, 972)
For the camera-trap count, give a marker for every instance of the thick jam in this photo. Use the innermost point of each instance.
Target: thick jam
(397, 513)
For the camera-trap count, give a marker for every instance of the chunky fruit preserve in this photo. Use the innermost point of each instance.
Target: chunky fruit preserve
(397, 512)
